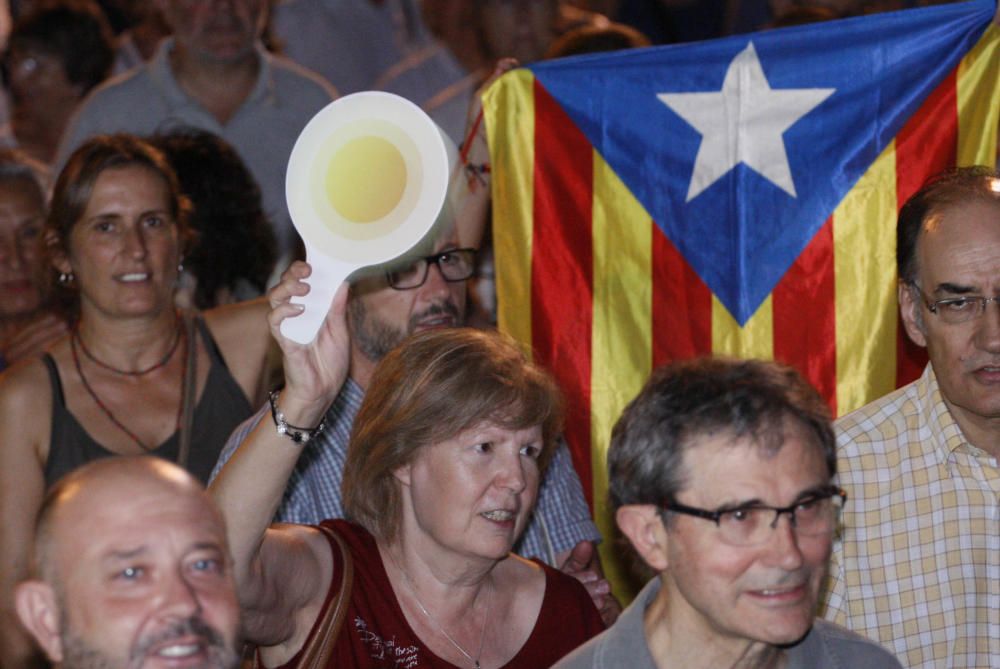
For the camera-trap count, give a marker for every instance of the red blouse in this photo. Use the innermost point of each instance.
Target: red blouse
(376, 635)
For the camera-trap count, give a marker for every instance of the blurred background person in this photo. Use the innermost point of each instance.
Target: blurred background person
(57, 52)
(135, 375)
(28, 323)
(234, 251)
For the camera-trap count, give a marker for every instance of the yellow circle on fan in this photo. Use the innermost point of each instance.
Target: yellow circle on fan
(366, 179)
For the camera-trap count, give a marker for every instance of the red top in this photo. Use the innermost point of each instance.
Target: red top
(376, 635)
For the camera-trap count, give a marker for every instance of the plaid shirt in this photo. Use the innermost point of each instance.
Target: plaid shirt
(918, 565)
(313, 490)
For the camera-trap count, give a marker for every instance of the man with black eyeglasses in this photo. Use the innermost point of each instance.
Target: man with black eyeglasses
(383, 309)
(918, 566)
(720, 477)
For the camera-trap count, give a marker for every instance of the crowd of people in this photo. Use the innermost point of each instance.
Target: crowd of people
(397, 492)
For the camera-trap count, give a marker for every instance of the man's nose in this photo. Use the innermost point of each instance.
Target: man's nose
(180, 597)
(988, 328)
(435, 283)
(783, 545)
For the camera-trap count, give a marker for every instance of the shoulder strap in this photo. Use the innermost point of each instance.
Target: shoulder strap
(189, 390)
(317, 654)
(57, 389)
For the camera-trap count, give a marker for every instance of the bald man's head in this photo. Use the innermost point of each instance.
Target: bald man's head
(131, 569)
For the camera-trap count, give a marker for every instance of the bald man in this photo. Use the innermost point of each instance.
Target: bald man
(131, 569)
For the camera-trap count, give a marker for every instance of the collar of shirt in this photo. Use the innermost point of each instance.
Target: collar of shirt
(163, 75)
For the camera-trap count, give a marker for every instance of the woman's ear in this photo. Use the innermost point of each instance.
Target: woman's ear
(643, 526)
(57, 253)
(403, 474)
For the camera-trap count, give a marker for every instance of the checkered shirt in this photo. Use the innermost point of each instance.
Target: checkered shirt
(313, 490)
(918, 565)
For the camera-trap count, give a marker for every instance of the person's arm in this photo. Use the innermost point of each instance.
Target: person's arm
(25, 415)
(281, 572)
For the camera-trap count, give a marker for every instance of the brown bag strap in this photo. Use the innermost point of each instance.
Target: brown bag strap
(319, 646)
(316, 655)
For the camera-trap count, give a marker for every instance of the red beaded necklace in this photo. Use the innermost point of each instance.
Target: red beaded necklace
(124, 372)
(103, 407)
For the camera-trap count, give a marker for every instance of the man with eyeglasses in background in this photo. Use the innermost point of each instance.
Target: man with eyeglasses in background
(720, 477)
(918, 564)
(382, 310)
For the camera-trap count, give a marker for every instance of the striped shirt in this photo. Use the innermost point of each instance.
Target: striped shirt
(560, 521)
(918, 565)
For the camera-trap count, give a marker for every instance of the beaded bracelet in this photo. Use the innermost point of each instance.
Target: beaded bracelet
(300, 435)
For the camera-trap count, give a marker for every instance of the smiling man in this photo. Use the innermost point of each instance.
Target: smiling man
(720, 477)
(131, 570)
(919, 561)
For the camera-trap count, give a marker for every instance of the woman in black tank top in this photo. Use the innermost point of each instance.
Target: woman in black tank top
(134, 375)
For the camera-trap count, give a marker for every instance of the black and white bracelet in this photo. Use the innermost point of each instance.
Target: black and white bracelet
(300, 435)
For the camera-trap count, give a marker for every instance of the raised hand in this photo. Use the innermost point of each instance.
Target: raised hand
(314, 372)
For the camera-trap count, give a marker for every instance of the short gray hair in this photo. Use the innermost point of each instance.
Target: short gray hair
(686, 400)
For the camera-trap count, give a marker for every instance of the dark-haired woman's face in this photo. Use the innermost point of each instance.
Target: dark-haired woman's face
(125, 249)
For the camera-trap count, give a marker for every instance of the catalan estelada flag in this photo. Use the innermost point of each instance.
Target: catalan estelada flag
(736, 196)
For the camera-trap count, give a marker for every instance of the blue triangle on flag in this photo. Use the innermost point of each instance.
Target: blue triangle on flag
(738, 193)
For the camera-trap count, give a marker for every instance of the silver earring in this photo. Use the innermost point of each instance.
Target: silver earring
(65, 278)
(180, 266)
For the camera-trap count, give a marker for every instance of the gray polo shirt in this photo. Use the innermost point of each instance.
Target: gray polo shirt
(827, 646)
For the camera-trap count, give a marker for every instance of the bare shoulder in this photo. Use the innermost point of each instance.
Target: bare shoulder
(233, 325)
(25, 390)
(242, 334)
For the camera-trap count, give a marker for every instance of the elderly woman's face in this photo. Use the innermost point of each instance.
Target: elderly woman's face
(472, 494)
(21, 218)
(124, 250)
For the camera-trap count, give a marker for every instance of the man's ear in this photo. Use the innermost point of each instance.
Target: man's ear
(38, 609)
(910, 306)
(642, 524)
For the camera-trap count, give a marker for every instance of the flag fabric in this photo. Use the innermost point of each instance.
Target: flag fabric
(736, 197)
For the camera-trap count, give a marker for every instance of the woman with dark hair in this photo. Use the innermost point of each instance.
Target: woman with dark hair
(28, 324)
(442, 474)
(134, 375)
(56, 53)
(236, 248)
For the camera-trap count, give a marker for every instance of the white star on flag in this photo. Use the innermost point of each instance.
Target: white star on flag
(743, 123)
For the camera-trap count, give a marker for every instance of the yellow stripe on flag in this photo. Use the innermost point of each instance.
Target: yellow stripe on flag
(509, 113)
(979, 101)
(622, 337)
(864, 242)
(753, 340)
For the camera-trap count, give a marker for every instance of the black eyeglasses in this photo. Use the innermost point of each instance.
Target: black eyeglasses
(955, 310)
(816, 514)
(454, 265)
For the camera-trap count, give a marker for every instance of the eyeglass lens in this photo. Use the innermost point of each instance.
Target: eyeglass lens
(753, 525)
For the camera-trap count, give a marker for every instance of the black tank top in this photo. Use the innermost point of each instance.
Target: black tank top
(221, 408)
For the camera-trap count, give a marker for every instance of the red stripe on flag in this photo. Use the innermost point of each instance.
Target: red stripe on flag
(925, 146)
(562, 267)
(805, 335)
(682, 305)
